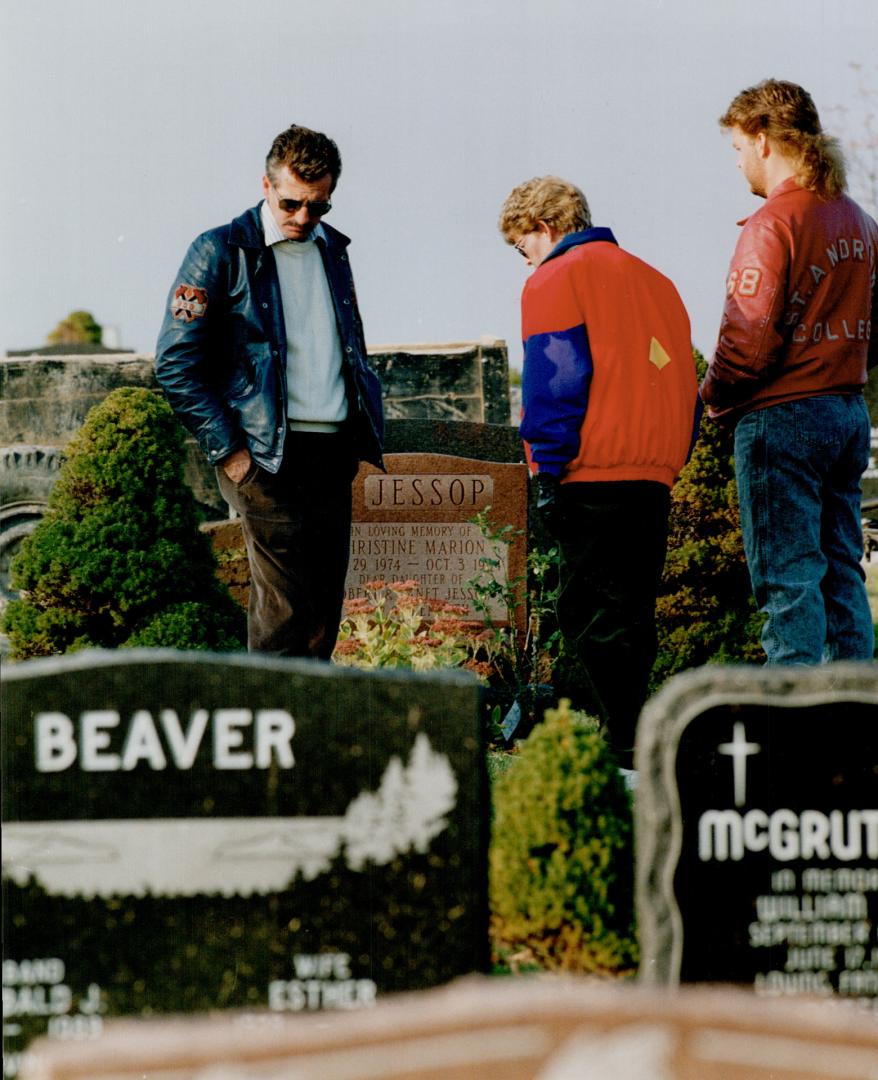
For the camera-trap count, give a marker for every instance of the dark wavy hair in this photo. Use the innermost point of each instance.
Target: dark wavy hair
(787, 115)
(309, 154)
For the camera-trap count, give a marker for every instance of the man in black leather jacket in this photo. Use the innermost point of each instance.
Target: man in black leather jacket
(262, 357)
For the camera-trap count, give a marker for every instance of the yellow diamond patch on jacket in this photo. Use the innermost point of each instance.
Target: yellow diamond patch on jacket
(657, 354)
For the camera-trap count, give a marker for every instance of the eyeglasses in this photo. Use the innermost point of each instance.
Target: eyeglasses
(290, 206)
(520, 249)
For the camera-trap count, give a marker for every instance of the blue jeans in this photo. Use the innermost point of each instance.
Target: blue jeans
(798, 468)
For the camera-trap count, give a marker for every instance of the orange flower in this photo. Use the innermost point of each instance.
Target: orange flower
(480, 667)
(359, 606)
(344, 648)
(406, 602)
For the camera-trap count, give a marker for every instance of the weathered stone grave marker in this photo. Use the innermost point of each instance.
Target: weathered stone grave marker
(414, 522)
(485, 1029)
(757, 827)
(190, 831)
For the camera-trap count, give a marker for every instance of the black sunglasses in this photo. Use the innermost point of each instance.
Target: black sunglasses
(290, 206)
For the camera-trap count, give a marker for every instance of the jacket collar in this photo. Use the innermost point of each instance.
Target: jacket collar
(586, 236)
(790, 184)
(246, 231)
(783, 188)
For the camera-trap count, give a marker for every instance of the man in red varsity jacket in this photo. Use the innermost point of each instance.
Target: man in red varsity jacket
(609, 411)
(797, 336)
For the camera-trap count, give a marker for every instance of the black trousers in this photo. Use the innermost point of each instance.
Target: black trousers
(613, 538)
(297, 531)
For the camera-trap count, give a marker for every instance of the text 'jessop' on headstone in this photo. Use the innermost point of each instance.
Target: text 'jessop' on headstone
(415, 523)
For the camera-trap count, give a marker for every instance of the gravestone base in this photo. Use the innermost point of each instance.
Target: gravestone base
(525, 1028)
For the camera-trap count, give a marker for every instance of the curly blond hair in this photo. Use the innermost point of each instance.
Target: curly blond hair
(787, 115)
(545, 198)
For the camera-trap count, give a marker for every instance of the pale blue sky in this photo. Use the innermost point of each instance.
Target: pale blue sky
(127, 128)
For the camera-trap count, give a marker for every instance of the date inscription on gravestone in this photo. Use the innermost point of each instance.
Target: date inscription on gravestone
(758, 831)
(189, 832)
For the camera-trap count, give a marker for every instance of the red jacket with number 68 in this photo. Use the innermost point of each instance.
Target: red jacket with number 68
(801, 305)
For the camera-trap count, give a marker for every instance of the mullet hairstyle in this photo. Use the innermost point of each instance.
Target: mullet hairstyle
(309, 154)
(545, 198)
(787, 115)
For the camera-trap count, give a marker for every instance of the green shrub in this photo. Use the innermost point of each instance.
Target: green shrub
(79, 327)
(705, 611)
(191, 625)
(562, 863)
(119, 559)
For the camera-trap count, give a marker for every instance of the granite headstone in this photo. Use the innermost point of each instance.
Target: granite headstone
(414, 522)
(757, 831)
(191, 831)
(484, 442)
(451, 381)
(494, 1029)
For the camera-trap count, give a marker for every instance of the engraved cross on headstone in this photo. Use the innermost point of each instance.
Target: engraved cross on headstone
(739, 750)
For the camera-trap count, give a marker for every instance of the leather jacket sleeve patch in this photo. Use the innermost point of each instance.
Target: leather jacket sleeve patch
(188, 302)
(744, 281)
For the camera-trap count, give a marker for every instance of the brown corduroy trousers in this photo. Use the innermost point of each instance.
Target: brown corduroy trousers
(297, 531)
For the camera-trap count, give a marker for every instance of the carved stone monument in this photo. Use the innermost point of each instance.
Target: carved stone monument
(467, 381)
(414, 522)
(191, 831)
(480, 1029)
(757, 827)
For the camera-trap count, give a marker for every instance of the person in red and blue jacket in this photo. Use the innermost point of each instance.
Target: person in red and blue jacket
(610, 411)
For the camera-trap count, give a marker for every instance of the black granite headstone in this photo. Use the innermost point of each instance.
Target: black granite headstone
(757, 826)
(484, 442)
(189, 832)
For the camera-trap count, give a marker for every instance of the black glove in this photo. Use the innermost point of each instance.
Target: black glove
(548, 503)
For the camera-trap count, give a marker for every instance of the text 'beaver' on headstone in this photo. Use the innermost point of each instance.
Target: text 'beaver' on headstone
(190, 832)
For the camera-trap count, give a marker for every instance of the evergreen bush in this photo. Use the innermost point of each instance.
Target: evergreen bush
(118, 559)
(562, 861)
(80, 327)
(705, 612)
